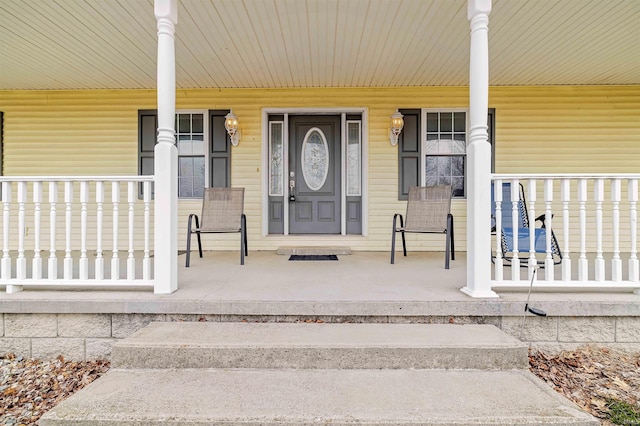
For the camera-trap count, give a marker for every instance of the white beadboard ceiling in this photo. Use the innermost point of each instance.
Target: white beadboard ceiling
(102, 44)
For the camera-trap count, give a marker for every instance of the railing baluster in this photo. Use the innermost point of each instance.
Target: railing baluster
(132, 195)
(548, 223)
(36, 263)
(99, 273)
(583, 263)
(532, 196)
(515, 214)
(68, 260)
(21, 262)
(115, 260)
(499, 263)
(146, 262)
(616, 262)
(598, 195)
(565, 194)
(584, 238)
(634, 265)
(52, 270)
(6, 215)
(84, 260)
(19, 268)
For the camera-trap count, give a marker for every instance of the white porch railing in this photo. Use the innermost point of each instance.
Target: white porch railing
(594, 218)
(80, 223)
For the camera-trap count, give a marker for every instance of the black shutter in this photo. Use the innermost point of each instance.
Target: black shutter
(409, 153)
(219, 151)
(147, 131)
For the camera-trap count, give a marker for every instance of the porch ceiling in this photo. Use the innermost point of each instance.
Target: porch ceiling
(79, 44)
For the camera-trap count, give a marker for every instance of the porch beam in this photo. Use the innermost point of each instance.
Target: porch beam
(479, 156)
(166, 154)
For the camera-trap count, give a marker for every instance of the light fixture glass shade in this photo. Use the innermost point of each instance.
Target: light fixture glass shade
(231, 124)
(397, 123)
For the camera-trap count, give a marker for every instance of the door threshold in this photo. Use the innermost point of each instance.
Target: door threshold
(313, 250)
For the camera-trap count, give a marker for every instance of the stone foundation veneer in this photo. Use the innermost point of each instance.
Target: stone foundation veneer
(90, 336)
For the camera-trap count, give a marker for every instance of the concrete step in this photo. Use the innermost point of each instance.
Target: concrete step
(326, 346)
(315, 396)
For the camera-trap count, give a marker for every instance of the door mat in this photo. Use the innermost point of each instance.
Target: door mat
(313, 257)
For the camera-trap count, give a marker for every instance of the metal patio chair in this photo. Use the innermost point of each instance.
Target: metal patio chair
(523, 226)
(222, 212)
(428, 212)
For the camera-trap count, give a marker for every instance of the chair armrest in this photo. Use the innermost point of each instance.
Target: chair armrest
(191, 217)
(542, 218)
(395, 218)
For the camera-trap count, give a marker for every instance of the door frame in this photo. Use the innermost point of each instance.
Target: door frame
(264, 187)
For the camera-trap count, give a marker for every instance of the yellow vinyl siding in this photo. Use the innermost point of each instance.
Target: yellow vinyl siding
(570, 130)
(72, 132)
(538, 129)
(567, 129)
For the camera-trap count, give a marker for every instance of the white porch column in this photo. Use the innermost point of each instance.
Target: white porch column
(166, 154)
(479, 156)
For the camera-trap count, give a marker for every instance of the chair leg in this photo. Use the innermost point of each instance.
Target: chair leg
(188, 248)
(188, 254)
(447, 249)
(446, 253)
(404, 241)
(453, 248)
(404, 244)
(393, 239)
(554, 242)
(244, 225)
(242, 241)
(198, 235)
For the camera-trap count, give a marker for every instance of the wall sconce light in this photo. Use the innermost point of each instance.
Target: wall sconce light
(396, 127)
(231, 124)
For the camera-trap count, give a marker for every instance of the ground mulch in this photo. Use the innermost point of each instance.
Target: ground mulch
(590, 377)
(29, 388)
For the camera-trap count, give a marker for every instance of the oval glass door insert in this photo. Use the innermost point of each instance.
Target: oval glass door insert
(315, 159)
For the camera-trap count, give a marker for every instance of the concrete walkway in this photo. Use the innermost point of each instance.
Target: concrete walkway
(309, 374)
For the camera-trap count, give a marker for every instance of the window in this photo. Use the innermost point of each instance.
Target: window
(354, 158)
(204, 149)
(444, 149)
(276, 158)
(432, 149)
(190, 134)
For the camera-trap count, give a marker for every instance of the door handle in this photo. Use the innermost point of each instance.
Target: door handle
(292, 185)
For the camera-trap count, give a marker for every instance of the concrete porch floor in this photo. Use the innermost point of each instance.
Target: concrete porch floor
(360, 284)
